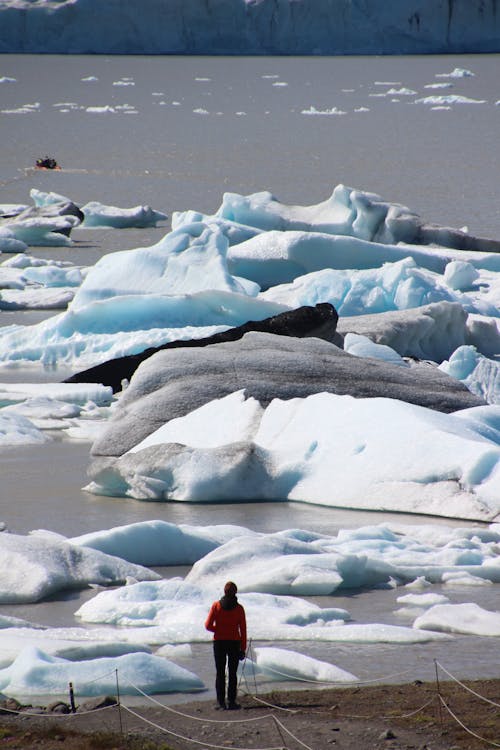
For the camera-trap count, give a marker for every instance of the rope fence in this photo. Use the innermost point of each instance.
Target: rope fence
(279, 725)
(190, 739)
(466, 729)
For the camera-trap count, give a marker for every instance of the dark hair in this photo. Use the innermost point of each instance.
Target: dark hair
(230, 589)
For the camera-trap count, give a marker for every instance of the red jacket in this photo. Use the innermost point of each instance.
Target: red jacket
(228, 624)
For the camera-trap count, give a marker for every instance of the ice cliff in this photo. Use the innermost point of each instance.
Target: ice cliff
(270, 27)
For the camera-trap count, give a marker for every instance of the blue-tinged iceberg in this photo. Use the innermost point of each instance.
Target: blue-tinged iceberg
(269, 27)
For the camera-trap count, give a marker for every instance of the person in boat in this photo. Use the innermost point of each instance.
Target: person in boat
(47, 163)
(227, 621)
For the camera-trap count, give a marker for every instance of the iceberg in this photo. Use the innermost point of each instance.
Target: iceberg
(480, 374)
(414, 556)
(254, 258)
(98, 215)
(41, 230)
(470, 619)
(280, 663)
(284, 27)
(158, 542)
(18, 430)
(174, 611)
(73, 644)
(40, 566)
(222, 406)
(37, 673)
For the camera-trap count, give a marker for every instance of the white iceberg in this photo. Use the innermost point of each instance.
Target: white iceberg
(470, 619)
(283, 664)
(329, 450)
(480, 374)
(39, 566)
(173, 611)
(37, 673)
(98, 215)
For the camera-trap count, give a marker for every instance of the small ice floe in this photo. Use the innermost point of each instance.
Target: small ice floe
(124, 82)
(401, 92)
(99, 215)
(7, 79)
(457, 73)
(201, 111)
(26, 109)
(464, 578)
(468, 618)
(202, 79)
(442, 85)
(415, 604)
(127, 109)
(42, 230)
(16, 430)
(9, 243)
(331, 111)
(28, 411)
(418, 584)
(100, 110)
(284, 665)
(89, 79)
(449, 99)
(280, 84)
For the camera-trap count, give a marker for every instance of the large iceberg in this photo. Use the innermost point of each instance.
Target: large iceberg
(267, 27)
(203, 277)
(222, 406)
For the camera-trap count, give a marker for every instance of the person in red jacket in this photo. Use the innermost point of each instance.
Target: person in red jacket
(226, 620)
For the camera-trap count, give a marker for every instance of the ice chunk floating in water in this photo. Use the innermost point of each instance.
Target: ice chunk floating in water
(39, 566)
(36, 673)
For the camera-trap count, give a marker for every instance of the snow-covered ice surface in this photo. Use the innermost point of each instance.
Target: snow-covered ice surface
(244, 27)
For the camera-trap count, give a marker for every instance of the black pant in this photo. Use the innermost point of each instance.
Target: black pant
(230, 651)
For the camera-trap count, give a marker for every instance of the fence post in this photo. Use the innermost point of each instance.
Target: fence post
(118, 700)
(72, 698)
(438, 693)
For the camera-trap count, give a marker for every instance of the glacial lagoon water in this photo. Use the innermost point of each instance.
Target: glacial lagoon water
(177, 133)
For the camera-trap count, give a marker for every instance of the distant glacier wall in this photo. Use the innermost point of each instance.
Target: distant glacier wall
(255, 27)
